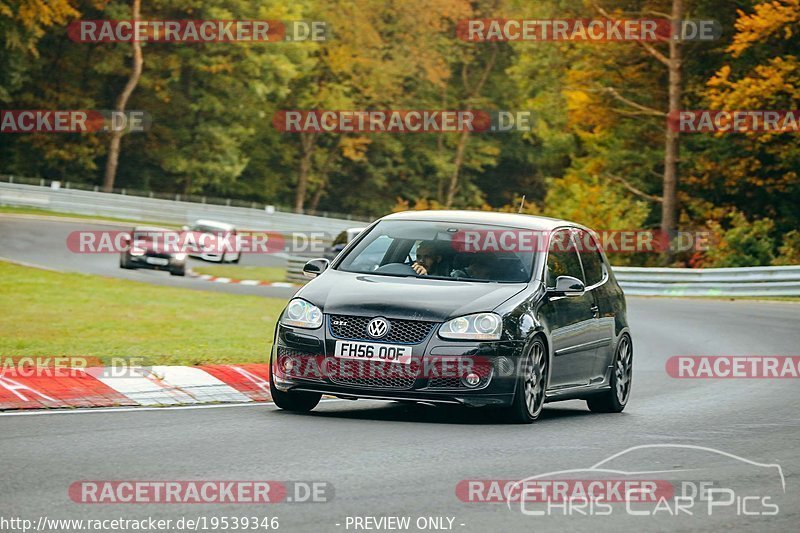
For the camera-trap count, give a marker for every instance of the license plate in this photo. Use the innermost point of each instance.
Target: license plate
(370, 351)
(157, 261)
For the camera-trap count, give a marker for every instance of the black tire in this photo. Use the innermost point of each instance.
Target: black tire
(616, 398)
(178, 272)
(532, 379)
(298, 402)
(238, 257)
(123, 262)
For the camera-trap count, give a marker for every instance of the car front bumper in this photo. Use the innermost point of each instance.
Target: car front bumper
(436, 376)
(141, 261)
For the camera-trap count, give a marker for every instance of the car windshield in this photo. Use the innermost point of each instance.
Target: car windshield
(208, 229)
(439, 250)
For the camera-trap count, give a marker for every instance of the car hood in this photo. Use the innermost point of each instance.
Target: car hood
(346, 293)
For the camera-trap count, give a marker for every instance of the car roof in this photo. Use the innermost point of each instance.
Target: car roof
(214, 224)
(485, 217)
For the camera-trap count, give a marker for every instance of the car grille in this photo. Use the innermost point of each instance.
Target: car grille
(159, 255)
(400, 331)
(375, 375)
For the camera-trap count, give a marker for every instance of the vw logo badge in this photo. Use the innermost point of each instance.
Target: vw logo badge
(378, 327)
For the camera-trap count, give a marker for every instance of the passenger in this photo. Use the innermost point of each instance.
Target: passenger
(481, 266)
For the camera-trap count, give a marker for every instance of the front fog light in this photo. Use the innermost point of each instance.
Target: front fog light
(471, 380)
(288, 364)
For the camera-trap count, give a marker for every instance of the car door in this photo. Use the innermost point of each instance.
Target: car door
(571, 318)
(596, 272)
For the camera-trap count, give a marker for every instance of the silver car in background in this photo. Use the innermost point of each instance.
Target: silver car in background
(211, 252)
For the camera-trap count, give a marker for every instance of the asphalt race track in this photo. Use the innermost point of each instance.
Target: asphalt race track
(390, 459)
(42, 242)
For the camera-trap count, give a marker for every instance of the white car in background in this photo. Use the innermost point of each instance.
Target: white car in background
(342, 240)
(211, 252)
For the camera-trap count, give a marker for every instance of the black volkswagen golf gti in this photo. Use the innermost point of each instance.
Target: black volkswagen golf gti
(472, 308)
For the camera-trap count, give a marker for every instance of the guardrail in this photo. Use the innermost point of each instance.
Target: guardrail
(164, 211)
(750, 281)
(294, 269)
(745, 281)
(636, 281)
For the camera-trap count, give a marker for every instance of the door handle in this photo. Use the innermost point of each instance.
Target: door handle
(595, 311)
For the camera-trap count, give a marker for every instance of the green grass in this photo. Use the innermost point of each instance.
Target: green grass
(243, 272)
(45, 313)
(44, 212)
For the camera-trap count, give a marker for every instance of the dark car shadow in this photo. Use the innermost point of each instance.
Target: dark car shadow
(423, 413)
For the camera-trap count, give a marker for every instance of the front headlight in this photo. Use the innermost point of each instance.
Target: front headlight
(180, 256)
(480, 326)
(302, 314)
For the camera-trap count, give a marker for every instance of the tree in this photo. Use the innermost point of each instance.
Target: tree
(23, 23)
(673, 61)
(756, 173)
(382, 56)
(122, 101)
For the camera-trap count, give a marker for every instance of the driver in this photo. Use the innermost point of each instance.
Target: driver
(429, 260)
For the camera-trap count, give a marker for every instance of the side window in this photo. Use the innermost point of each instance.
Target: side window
(412, 253)
(562, 258)
(373, 255)
(591, 258)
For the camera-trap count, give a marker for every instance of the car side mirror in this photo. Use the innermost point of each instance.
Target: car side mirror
(567, 286)
(315, 267)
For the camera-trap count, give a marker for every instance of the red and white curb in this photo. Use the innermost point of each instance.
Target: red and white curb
(143, 386)
(251, 282)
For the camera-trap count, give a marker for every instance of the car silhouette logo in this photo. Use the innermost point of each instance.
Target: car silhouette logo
(378, 327)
